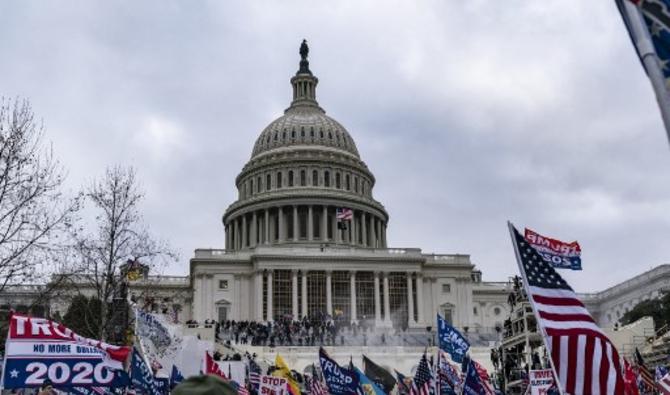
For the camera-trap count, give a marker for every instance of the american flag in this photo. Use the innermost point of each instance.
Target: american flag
(646, 377)
(316, 387)
(585, 359)
(422, 379)
(662, 380)
(344, 214)
(254, 374)
(484, 377)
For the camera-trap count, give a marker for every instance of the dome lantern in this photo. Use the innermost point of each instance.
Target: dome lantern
(304, 83)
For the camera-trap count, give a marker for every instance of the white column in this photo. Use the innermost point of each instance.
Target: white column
(378, 310)
(197, 298)
(245, 240)
(324, 224)
(304, 293)
(208, 296)
(419, 295)
(364, 230)
(387, 303)
(254, 230)
(280, 218)
(238, 242)
(354, 309)
(354, 239)
(373, 232)
(310, 223)
(296, 225)
(329, 292)
(337, 235)
(270, 314)
(267, 226)
(259, 296)
(410, 299)
(294, 299)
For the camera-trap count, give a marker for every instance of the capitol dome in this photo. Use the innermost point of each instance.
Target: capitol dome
(305, 181)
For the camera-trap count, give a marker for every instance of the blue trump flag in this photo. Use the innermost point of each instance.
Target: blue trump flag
(175, 377)
(340, 381)
(368, 386)
(142, 378)
(451, 340)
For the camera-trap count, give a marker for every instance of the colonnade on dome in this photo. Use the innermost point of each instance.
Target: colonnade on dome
(304, 223)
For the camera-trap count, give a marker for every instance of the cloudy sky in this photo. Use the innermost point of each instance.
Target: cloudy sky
(469, 113)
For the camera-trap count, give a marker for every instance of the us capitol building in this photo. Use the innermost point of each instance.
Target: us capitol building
(288, 252)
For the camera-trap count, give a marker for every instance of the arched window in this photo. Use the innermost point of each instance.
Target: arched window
(356, 184)
(290, 178)
(321, 133)
(303, 178)
(315, 178)
(268, 182)
(275, 136)
(293, 134)
(251, 186)
(338, 183)
(302, 132)
(347, 182)
(258, 184)
(279, 179)
(326, 179)
(283, 135)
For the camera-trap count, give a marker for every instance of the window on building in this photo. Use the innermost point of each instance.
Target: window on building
(496, 311)
(258, 185)
(356, 184)
(315, 178)
(338, 183)
(446, 288)
(290, 178)
(251, 186)
(447, 316)
(474, 310)
(303, 178)
(223, 284)
(268, 182)
(282, 294)
(279, 180)
(326, 179)
(347, 182)
(223, 314)
(341, 287)
(365, 295)
(316, 293)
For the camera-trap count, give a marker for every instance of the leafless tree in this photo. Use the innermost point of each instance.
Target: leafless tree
(35, 215)
(120, 236)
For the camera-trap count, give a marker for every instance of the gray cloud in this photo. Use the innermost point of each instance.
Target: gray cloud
(469, 114)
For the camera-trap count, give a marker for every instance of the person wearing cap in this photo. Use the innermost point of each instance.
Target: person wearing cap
(204, 385)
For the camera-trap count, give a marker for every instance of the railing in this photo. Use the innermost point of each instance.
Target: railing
(286, 249)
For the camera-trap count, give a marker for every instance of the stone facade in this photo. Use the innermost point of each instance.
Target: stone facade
(608, 306)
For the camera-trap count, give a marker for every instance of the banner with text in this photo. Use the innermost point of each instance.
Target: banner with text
(270, 385)
(38, 349)
(540, 381)
(560, 254)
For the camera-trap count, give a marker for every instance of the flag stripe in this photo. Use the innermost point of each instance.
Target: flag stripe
(588, 370)
(556, 301)
(565, 317)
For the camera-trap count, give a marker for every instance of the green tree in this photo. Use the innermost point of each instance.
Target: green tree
(84, 316)
(658, 309)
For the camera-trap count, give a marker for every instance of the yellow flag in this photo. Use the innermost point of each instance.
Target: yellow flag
(284, 372)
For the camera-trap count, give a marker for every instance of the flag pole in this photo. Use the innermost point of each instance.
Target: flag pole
(537, 315)
(649, 58)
